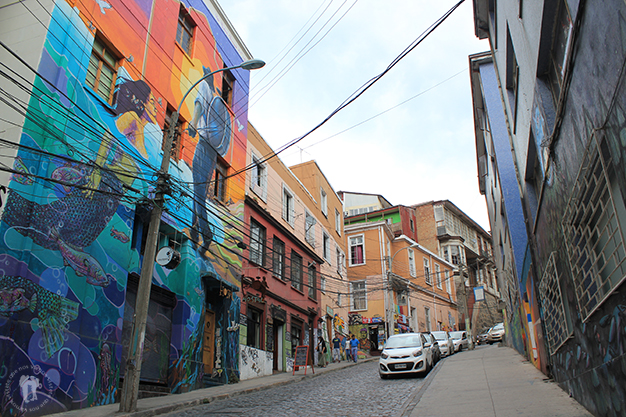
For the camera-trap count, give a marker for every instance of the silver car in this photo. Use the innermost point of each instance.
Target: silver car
(446, 346)
(460, 340)
(405, 354)
(496, 333)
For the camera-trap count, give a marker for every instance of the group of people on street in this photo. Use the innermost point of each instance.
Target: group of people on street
(342, 348)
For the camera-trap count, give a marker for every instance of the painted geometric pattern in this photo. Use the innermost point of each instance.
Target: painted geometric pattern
(591, 225)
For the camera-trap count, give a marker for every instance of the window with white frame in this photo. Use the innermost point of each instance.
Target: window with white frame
(427, 315)
(555, 322)
(258, 180)
(324, 201)
(438, 275)
(279, 258)
(338, 222)
(358, 293)
(341, 261)
(357, 250)
(288, 206)
(326, 247)
(427, 271)
(309, 228)
(446, 276)
(412, 270)
(257, 243)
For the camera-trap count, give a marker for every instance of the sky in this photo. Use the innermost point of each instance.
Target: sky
(410, 136)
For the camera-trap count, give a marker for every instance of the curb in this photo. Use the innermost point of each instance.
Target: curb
(212, 398)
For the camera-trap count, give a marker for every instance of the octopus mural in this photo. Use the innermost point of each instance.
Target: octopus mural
(75, 210)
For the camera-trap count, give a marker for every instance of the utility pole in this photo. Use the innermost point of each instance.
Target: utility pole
(130, 391)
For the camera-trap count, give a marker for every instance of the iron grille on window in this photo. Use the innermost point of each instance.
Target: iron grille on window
(555, 323)
(591, 228)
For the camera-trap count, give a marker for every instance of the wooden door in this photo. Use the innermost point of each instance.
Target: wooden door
(208, 348)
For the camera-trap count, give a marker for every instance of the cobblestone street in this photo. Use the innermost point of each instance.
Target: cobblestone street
(354, 390)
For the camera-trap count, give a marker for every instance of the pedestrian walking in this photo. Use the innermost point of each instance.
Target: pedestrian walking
(344, 353)
(321, 349)
(354, 347)
(336, 348)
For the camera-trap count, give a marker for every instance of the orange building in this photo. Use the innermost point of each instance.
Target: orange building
(396, 285)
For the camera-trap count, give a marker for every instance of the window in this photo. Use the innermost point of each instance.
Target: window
(338, 222)
(357, 255)
(102, 70)
(312, 282)
(412, 225)
(560, 49)
(359, 295)
(175, 150)
(219, 182)
(254, 327)
(184, 32)
(296, 336)
(591, 228)
(427, 271)
(279, 258)
(326, 247)
(258, 180)
(340, 261)
(438, 275)
(296, 271)
(309, 229)
(227, 87)
(455, 255)
(512, 77)
(427, 314)
(412, 271)
(446, 277)
(324, 202)
(288, 206)
(257, 243)
(556, 326)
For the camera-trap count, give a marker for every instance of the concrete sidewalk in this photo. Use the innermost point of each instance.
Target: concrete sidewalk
(491, 381)
(165, 404)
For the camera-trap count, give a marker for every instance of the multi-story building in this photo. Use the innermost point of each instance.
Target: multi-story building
(397, 285)
(360, 203)
(450, 233)
(292, 283)
(326, 235)
(549, 117)
(89, 89)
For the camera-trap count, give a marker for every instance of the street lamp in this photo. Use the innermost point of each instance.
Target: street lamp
(388, 298)
(128, 401)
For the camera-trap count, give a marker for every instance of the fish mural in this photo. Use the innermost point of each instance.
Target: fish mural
(53, 311)
(83, 264)
(119, 235)
(23, 178)
(68, 176)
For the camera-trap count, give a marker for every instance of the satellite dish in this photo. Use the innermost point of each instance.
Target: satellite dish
(168, 257)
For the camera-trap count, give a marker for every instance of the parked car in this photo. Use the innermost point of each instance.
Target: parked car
(446, 347)
(434, 346)
(496, 333)
(405, 354)
(482, 337)
(460, 340)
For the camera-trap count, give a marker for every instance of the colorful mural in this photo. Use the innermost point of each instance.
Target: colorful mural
(77, 206)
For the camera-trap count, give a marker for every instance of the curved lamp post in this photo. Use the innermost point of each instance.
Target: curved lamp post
(128, 401)
(389, 310)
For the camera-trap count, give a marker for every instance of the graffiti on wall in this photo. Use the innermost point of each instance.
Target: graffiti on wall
(69, 236)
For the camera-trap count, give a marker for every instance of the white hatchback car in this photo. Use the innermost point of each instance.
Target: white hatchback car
(446, 346)
(405, 354)
(460, 340)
